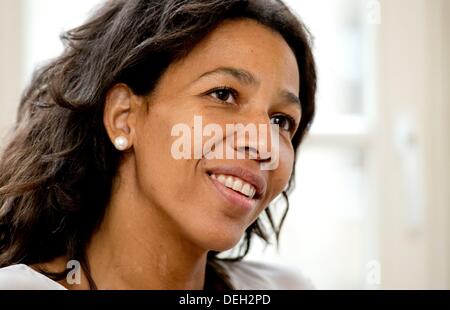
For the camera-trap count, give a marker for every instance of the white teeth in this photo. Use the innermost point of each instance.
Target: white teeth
(246, 190)
(236, 184)
(229, 182)
(221, 178)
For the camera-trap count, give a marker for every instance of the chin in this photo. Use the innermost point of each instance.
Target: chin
(219, 240)
(224, 244)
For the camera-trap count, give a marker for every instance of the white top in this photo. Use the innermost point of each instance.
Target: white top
(244, 275)
(248, 275)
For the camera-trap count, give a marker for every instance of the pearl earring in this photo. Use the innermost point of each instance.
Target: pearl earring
(121, 143)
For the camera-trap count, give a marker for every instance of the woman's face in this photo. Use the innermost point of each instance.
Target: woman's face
(241, 73)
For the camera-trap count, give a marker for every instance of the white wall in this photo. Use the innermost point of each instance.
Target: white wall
(413, 143)
(10, 61)
(29, 36)
(42, 28)
(436, 120)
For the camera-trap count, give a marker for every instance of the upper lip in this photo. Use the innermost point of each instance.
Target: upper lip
(246, 175)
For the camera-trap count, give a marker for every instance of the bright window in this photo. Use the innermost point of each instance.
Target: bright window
(326, 233)
(45, 20)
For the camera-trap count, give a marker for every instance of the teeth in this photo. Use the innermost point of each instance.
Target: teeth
(229, 182)
(246, 190)
(236, 184)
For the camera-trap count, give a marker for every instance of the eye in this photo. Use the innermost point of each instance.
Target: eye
(225, 94)
(285, 122)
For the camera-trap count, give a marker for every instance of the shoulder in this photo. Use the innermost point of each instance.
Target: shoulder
(248, 275)
(22, 277)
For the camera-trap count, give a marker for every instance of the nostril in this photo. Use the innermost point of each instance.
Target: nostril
(251, 152)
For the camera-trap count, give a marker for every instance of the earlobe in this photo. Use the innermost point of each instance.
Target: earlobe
(116, 118)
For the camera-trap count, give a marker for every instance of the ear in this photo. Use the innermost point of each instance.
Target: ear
(119, 114)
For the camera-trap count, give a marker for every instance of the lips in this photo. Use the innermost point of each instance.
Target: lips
(243, 181)
(236, 184)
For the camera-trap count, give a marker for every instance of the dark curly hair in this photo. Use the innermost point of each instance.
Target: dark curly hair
(57, 170)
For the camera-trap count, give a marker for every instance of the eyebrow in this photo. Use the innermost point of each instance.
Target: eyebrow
(241, 75)
(291, 98)
(248, 78)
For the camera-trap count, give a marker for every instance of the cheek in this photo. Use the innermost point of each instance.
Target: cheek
(160, 174)
(280, 177)
(154, 162)
(153, 145)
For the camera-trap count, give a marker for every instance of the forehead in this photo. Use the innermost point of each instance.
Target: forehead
(245, 44)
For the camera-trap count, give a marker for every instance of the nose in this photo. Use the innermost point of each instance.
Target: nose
(254, 139)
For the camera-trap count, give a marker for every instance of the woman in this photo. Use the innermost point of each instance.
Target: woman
(90, 177)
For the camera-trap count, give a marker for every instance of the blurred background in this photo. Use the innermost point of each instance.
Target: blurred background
(371, 207)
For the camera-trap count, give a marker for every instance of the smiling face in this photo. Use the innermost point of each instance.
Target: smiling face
(242, 72)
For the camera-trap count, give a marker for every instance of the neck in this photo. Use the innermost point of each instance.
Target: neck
(137, 247)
